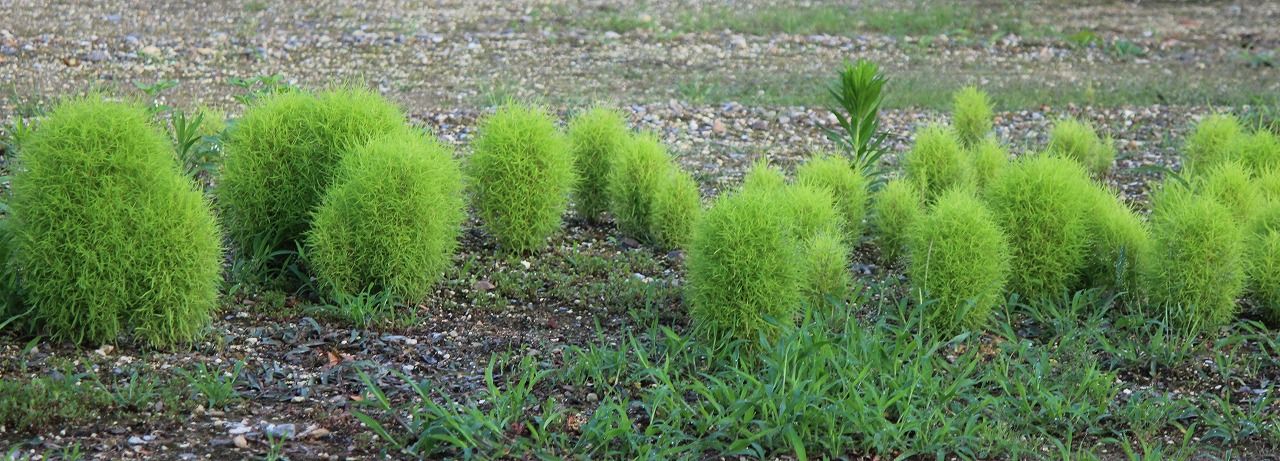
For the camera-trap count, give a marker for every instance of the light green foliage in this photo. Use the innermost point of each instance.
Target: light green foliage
(1040, 203)
(1211, 141)
(989, 159)
(1267, 182)
(1119, 242)
(826, 269)
(846, 185)
(596, 136)
(743, 266)
(521, 175)
(280, 158)
(110, 237)
(971, 115)
(959, 260)
(1197, 262)
(1259, 151)
(1077, 140)
(809, 211)
(937, 163)
(677, 206)
(391, 220)
(1229, 184)
(895, 208)
(763, 178)
(1262, 255)
(634, 179)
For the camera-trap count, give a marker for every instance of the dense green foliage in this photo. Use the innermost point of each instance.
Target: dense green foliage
(1262, 254)
(521, 175)
(677, 206)
(858, 94)
(846, 185)
(1267, 183)
(595, 136)
(1077, 140)
(989, 158)
(826, 275)
(971, 116)
(959, 261)
(638, 171)
(763, 178)
(110, 237)
(391, 220)
(1197, 269)
(895, 208)
(1259, 151)
(1039, 202)
(743, 267)
(809, 211)
(1211, 141)
(1119, 242)
(937, 162)
(280, 158)
(1230, 184)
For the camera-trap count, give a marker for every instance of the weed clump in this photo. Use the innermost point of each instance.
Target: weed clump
(521, 176)
(390, 222)
(1038, 202)
(1211, 142)
(1229, 184)
(989, 158)
(635, 177)
(109, 236)
(1119, 242)
(1077, 140)
(959, 260)
(937, 163)
(846, 185)
(677, 206)
(971, 115)
(596, 137)
(895, 208)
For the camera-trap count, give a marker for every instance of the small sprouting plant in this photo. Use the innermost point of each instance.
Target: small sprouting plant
(1119, 242)
(217, 388)
(1230, 184)
(971, 116)
(858, 95)
(1078, 140)
(196, 142)
(521, 176)
(959, 263)
(847, 186)
(937, 162)
(634, 178)
(596, 137)
(154, 91)
(894, 209)
(1263, 261)
(676, 208)
(989, 158)
(826, 269)
(1210, 142)
(260, 86)
(390, 221)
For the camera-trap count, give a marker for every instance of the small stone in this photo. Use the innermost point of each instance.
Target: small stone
(592, 397)
(135, 440)
(717, 127)
(240, 441)
(611, 35)
(483, 285)
(151, 50)
(319, 433)
(629, 242)
(97, 56)
(281, 431)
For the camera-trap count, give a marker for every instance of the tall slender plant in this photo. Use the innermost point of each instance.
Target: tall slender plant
(858, 95)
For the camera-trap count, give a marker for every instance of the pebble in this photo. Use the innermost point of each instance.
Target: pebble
(240, 442)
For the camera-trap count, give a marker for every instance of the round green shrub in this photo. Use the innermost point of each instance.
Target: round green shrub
(595, 136)
(826, 269)
(743, 267)
(110, 237)
(1229, 183)
(1077, 140)
(1040, 202)
(391, 220)
(809, 211)
(1267, 182)
(959, 261)
(894, 209)
(971, 115)
(280, 158)
(1119, 241)
(1211, 141)
(521, 175)
(1197, 268)
(763, 178)
(634, 179)
(847, 186)
(937, 163)
(677, 206)
(1262, 268)
(989, 158)
(1259, 151)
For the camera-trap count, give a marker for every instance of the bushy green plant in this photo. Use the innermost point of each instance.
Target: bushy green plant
(637, 172)
(971, 115)
(960, 261)
(1229, 183)
(110, 237)
(858, 94)
(1119, 241)
(1262, 268)
(826, 269)
(763, 178)
(1259, 151)
(1210, 142)
(677, 206)
(595, 136)
(1077, 140)
(280, 158)
(1267, 183)
(809, 211)
(894, 209)
(521, 175)
(1039, 202)
(847, 185)
(989, 159)
(1197, 268)
(743, 267)
(937, 163)
(391, 219)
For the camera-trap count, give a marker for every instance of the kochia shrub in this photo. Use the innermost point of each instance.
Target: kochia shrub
(960, 261)
(677, 206)
(595, 136)
(826, 275)
(1268, 183)
(810, 211)
(110, 237)
(637, 172)
(937, 163)
(846, 185)
(1211, 142)
(521, 175)
(763, 178)
(1119, 243)
(1077, 140)
(1040, 203)
(895, 208)
(971, 115)
(1262, 266)
(1259, 151)
(390, 222)
(1229, 183)
(989, 159)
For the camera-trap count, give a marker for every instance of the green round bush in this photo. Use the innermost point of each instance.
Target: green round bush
(521, 175)
(959, 261)
(809, 211)
(1119, 241)
(1262, 265)
(1229, 183)
(743, 267)
(847, 186)
(110, 236)
(826, 269)
(937, 163)
(1267, 182)
(1077, 140)
(677, 206)
(390, 222)
(894, 209)
(1259, 151)
(280, 158)
(595, 136)
(1211, 141)
(637, 173)
(989, 158)
(763, 178)
(971, 115)
(1197, 268)
(1040, 202)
